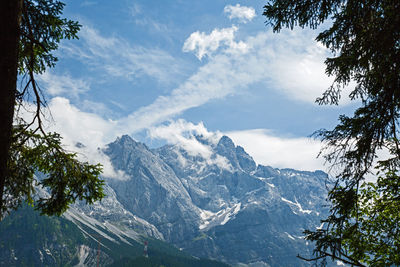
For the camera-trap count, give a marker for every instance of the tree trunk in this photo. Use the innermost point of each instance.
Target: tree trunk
(9, 36)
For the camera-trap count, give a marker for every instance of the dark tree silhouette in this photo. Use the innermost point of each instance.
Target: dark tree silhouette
(30, 31)
(363, 228)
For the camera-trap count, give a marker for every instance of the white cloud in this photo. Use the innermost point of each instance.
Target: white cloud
(242, 13)
(118, 58)
(268, 149)
(177, 137)
(212, 81)
(95, 132)
(76, 126)
(57, 85)
(274, 60)
(98, 108)
(205, 44)
(290, 62)
(295, 64)
(183, 134)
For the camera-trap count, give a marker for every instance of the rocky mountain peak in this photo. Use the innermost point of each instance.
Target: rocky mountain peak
(226, 143)
(236, 155)
(246, 162)
(125, 139)
(128, 144)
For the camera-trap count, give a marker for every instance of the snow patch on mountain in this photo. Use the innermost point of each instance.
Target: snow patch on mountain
(89, 222)
(83, 253)
(233, 211)
(211, 219)
(297, 204)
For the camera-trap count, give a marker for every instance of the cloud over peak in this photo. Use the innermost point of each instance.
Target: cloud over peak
(185, 135)
(269, 149)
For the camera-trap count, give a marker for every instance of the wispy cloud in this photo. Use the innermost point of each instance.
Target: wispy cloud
(215, 80)
(119, 58)
(135, 9)
(140, 18)
(98, 108)
(289, 62)
(295, 71)
(64, 85)
(243, 13)
(293, 63)
(57, 85)
(152, 24)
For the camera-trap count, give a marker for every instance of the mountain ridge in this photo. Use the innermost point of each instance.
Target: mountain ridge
(207, 197)
(221, 183)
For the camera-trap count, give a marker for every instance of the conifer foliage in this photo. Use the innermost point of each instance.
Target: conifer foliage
(363, 228)
(31, 31)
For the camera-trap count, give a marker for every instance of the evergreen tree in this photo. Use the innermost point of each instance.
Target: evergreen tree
(364, 37)
(30, 31)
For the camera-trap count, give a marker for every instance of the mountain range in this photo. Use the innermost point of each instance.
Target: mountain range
(209, 199)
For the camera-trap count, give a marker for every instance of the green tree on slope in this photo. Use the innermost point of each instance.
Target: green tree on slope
(30, 31)
(363, 228)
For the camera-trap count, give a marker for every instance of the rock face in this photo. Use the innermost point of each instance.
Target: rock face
(153, 191)
(217, 203)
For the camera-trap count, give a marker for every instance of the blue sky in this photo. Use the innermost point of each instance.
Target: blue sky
(161, 71)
